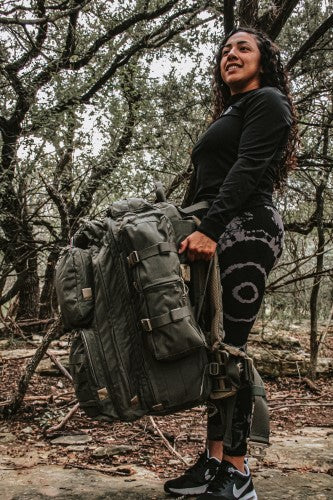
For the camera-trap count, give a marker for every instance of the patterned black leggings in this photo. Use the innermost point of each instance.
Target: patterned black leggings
(248, 249)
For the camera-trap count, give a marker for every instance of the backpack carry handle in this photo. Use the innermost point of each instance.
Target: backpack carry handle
(159, 191)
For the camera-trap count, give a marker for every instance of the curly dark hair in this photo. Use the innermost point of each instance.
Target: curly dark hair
(273, 75)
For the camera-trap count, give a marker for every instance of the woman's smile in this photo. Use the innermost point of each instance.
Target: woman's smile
(232, 67)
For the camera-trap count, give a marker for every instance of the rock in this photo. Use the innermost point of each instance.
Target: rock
(74, 440)
(27, 430)
(282, 363)
(37, 338)
(17, 353)
(7, 437)
(325, 365)
(76, 448)
(45, 482)
(110, 451)
(47, 368)
(61, 483)
(279, 339)
(305, 447)
(298, 465)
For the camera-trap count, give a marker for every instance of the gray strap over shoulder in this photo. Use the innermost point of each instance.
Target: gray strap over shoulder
(194, 208)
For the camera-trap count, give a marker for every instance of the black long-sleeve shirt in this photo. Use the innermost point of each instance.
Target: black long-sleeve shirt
(236, 159)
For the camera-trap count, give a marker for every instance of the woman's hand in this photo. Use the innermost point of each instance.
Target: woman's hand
(198, 246)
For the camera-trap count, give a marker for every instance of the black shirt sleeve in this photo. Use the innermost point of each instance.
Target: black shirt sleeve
(266, 124)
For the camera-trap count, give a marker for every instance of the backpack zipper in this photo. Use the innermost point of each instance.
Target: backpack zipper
(162, 282)
(91, 365)
(119, 359)
(134, 321)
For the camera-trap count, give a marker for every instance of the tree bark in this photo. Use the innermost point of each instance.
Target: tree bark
(248, 13)
(314, 343)
(46, 303)
(28, 295)
(229, 16)
(274, 20)
(316, 283)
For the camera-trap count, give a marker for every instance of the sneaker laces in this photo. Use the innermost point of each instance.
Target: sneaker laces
(223, 476)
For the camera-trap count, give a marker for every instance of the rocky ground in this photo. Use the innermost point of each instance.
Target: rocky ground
(86, 459)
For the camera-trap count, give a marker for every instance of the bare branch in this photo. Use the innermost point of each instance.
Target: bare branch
(310, 42)
(99, 172)
(121, 28)
(179, 179)
(43, 20)
(275, 18)
(61, 205)
(36, 45)
(64, 420)
(151, 40)
(166, 442)
(300, 278)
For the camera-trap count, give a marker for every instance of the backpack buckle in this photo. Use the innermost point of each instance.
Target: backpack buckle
(214, 369)
(133, 258)
(146, 325)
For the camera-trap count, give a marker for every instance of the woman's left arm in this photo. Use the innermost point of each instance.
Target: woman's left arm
(266, 125)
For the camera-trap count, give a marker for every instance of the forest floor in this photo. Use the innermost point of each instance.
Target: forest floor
(301, 424)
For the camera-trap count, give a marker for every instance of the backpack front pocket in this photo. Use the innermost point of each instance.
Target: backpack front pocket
(169, 329)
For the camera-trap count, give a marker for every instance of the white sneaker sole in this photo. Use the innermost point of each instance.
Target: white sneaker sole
(250, 496)
(197, 490)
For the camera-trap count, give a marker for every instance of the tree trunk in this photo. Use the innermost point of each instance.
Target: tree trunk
(248, 13)
(314, 343)
(29, 292)
(47, 305)
(229, 16)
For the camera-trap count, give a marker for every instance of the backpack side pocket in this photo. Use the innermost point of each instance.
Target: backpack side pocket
(74, 287)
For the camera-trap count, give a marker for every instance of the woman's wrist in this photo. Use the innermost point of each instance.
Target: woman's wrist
(211, 230)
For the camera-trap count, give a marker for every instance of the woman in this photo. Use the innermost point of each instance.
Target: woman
(246, 152)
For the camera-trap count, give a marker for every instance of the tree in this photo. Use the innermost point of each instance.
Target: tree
(89, 115)
(55, 61)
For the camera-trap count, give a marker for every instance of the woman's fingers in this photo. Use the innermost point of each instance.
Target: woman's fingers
(183, 246)
(199, 247)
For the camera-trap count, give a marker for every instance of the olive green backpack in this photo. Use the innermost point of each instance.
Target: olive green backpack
(146, 326)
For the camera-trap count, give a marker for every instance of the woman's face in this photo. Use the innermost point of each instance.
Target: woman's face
(240, 63)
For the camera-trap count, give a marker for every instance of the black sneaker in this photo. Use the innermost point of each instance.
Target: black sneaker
(195, 480)
(230, 484)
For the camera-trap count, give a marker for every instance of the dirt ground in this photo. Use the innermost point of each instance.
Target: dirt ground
(293, 405)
